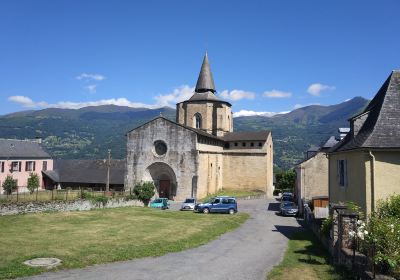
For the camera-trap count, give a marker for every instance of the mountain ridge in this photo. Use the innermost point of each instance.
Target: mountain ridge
(89, 132)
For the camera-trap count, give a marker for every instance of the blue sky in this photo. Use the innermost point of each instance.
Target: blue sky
(266, 56)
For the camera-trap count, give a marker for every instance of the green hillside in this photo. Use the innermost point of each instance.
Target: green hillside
(90, 131)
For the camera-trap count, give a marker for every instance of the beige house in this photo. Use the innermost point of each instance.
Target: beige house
(312, 174)
(200, 153)
(365, 166)
(20, 158)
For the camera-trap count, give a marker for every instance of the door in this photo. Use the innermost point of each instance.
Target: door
(164, 188)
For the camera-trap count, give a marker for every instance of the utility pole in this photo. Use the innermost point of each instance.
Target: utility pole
(108, 171)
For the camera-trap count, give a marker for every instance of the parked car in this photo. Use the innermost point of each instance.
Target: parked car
(287, 196)
(162, 203)
(219, 204)
(188, 204)
(288, 208)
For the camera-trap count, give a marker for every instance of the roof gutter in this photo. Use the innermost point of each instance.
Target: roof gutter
(372, 158)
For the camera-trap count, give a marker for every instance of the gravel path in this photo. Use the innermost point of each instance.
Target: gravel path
(249, 252)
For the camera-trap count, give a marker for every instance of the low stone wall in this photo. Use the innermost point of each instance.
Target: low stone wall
(62, 206)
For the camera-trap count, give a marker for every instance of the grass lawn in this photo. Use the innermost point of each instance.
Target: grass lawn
(306, 259)
(235, 193)
(105, 235)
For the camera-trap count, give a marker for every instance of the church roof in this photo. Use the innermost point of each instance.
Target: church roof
(205, 87)
(205, 82)
(246, 136)
(381, 128)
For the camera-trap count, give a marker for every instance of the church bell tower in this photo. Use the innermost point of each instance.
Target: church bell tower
(204, 110)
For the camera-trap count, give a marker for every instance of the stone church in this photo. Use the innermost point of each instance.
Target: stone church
(200, 153)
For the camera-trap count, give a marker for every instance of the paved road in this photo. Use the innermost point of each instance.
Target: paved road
(249, 252)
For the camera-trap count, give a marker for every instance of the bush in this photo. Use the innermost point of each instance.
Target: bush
(130, 197)
(100, 200)
(286, 180)
(144, 191)
(86, 195)
(9, 185)
(382, 239)
(33, 182)
(327, 226)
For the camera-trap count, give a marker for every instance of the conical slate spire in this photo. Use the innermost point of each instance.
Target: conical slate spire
(205, 82)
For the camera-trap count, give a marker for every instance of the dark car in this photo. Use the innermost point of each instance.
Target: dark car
(219, 204)
(286, 196)
(288, 208)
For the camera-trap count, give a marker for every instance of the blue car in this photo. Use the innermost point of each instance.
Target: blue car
(219, 204)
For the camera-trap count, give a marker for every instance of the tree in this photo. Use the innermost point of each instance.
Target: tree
(9, 185)
(144, 191)
(33, 182)
(286, 180)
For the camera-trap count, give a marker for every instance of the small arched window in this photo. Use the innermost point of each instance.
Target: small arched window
(197, 121)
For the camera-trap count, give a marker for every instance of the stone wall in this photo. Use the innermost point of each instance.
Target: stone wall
(179, 164)
(61, 206)
(249, 169)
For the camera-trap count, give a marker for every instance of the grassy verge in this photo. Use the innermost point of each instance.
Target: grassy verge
(105, 235)
(306, 259)
(235, 193)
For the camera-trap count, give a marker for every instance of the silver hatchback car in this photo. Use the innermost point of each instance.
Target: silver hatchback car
(188, 204)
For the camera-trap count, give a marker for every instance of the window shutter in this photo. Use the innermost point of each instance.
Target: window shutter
(2, 167)
(26, 165)
(19, 165)
(34, 165)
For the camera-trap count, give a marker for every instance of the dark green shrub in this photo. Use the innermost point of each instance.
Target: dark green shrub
(100, 200)
(9, 185)
(144, 191)
(33, 182)
(130, 197)
(86, 195)
(327, 226)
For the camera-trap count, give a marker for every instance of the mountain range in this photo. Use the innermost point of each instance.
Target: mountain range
(90, 131)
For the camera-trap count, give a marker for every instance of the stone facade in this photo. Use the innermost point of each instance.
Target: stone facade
(199, 154)
(179, 164)
(216, 117)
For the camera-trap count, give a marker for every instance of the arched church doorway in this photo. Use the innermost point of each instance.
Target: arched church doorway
(164, 179)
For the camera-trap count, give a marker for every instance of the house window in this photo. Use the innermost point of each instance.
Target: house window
(15, 166)
(236, 144)
(259, 144)
(30, 166)
(342, 172)
(244, 144)
(226, 145)
(252, 144)
(2, 167)
(44, 168)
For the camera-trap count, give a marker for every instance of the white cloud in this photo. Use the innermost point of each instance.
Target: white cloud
(277, 94)
(179, 94)
(91, 88)
(88, 77)
(29, 103)
(247, 113)
(237, 94)
(317, 89)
